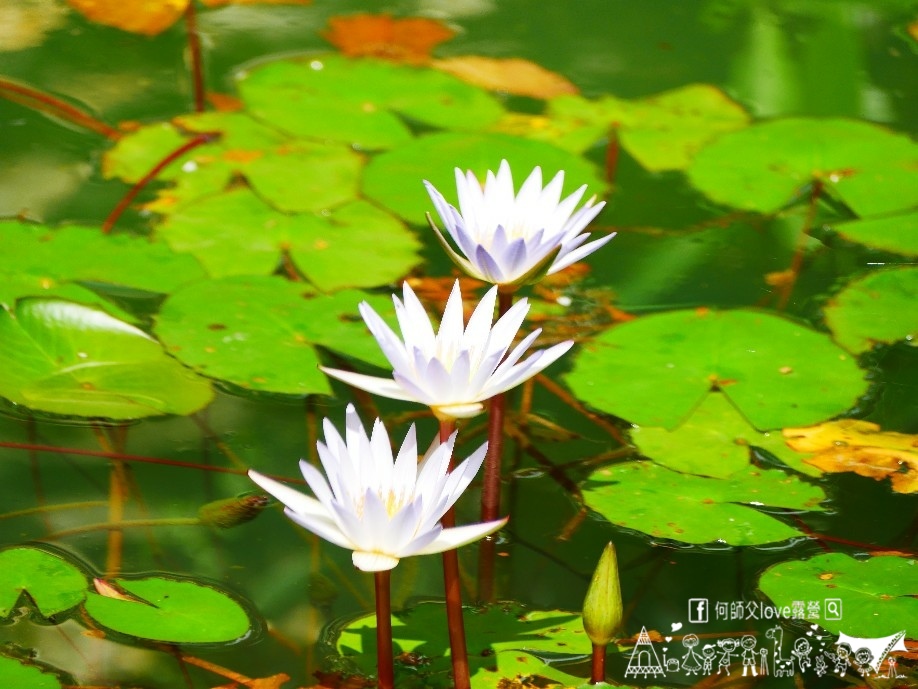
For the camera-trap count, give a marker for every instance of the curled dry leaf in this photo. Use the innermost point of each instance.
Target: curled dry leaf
(136, 16)
(861, 447)
(510, 75)
(409, 40)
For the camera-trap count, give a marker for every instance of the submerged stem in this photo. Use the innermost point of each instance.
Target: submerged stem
(384, 670)
(598, 673)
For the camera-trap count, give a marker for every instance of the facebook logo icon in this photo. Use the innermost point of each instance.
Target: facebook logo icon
(698, 610)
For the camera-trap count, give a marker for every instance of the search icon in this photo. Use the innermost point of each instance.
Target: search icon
(833, 607)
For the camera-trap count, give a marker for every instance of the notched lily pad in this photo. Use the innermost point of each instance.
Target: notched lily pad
(315, 97)
(769, 165)
(65, 358)
(878, 308)
(505, 642)
(662, 132)
(172, 611)
(14, 673)
(714, 441)
(54, 584)
(646, 497)
(356, 245)
(896, 233)
(878, 595)
(261, 333)
(654, 370)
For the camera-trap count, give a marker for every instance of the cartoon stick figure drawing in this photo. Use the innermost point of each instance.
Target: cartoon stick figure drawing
(728, 646)
(763, 662)
(708, 658)
(863, 658)
(820, 665)
(749, 654)
(690, 662)
(801, 652)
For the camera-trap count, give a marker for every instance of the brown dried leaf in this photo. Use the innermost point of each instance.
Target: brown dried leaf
(136, 16)
(410, 40)
(509, 75)
(861, 447)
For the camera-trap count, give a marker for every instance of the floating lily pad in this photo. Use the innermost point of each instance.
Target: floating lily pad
(878, 595)
(662, 132)
(292, 175)
(654, 370)
(896, 233)
(317, 97)
(877, 308)
(22, 676)
(70, 359)
(769, 165)
(171, 610)
(504, 641)
(261, 333)
(394, 178)
(649, 498)
(356, 245)
(54, 584)
(714, 441)
(84, 254)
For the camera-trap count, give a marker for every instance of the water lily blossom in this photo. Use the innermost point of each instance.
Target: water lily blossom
(454, 370)
(382, 508)
(508, 239)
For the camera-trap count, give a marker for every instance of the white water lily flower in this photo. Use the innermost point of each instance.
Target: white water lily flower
(454, 370)
(512, 240)
(382, 508)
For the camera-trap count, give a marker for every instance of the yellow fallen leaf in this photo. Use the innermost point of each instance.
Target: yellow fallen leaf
(510, 75)
(148, 17)
(221, 3)
(860, 447)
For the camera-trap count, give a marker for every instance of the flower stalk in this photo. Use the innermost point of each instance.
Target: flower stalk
(384, 670)
(603, 610)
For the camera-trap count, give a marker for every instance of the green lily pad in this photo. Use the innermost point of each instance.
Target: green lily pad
(65, 358)
(356, 245)
(22, 676)
(877, 308)
(171, 610)
(504, 641)
(714, 441)
(878, 595)
(261, 333)
(316, 97)
(83, 254)
(896, 233)
(769, 165)
(394, 178)
(54, 584)
(649, 498)
(654, 370)
(292, 175)
(662, 132)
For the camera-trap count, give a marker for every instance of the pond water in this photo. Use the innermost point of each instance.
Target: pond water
(762, 279)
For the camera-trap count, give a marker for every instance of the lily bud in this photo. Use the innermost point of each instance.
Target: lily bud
(602, 607)
(225, 514)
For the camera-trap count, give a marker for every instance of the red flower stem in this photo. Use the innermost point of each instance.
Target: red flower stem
(123, 204)
(490, 492)
(43, 102)
(194, 54)
(612, 150)
(451, 584)
(384, 670)
(599, 665)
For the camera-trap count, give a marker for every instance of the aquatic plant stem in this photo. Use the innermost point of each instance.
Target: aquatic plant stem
(128, 198)
(43, 102)
(384, 672)
(598, 673)
(194, 57)
(452, 587)
(793, 272)
(490, 491)
(612, 150)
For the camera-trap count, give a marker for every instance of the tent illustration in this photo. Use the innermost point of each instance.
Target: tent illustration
(644, 661)
(879, 647)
